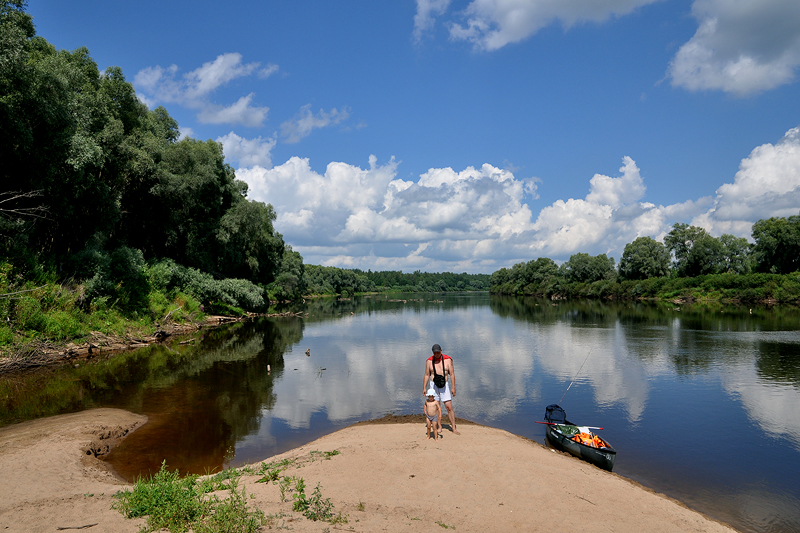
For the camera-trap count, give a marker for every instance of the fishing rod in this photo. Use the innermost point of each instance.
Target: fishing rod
(554, 424)
(576, 375)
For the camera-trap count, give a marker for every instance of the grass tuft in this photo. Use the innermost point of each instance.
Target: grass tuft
(178, 504)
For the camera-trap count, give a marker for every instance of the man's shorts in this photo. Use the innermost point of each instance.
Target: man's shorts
(442, 394)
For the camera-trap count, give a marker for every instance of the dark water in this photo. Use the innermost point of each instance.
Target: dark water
(702, 403)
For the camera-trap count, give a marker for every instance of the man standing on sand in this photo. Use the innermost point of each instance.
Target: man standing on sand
(438, 368)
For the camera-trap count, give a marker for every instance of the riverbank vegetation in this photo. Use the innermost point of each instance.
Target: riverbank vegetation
(690, 264)
(332, 280)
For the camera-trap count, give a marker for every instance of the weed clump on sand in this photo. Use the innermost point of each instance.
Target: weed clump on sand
(177, 504)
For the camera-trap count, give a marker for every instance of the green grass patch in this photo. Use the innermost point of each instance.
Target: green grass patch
(180, 504)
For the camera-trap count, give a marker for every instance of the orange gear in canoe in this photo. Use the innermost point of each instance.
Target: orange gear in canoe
(590, 440)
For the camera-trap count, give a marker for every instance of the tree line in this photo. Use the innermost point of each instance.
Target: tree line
(333, 280)
(689, 258)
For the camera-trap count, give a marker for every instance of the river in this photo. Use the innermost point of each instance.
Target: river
(702, 402)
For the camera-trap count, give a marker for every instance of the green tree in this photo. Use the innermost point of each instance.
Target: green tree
(695, 251)
(291, 282)
(249, 247)
(539, 270)
(644, 258)
(736, 256)
(583, 268)
(777, 244)
(176, 211)
(70, 138)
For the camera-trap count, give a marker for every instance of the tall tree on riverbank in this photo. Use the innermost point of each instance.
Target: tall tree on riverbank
(644, 258)
(583, 268)
(777, 244)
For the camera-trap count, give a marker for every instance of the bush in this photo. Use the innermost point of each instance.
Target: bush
(29, 315)
(172, 279)
(6, 335)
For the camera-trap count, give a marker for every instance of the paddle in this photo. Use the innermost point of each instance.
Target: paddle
(553, 424)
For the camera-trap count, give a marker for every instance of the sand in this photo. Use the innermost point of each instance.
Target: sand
(385, 477)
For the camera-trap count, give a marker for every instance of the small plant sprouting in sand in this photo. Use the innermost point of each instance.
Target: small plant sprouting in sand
(338, 519)
(269, 475)
(272, 471)
(271, 520)
(314, 507)
(442, 524)
(325, 455)
(361, 505)
(300, 502)
(283, 485)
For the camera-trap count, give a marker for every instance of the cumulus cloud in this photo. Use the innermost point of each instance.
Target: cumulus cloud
(480, 219)
(313, 208)
(766, 185)
(193, 90)
(306, 121)
(446, 216)
(492, 24)
(427, 11)
(608, 218)
(742, 47)
(248, 152)
(477, 219)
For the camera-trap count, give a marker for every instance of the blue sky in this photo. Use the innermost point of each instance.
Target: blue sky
(471, 135)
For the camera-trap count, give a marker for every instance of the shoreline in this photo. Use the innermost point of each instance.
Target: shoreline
(384, 474)
(52, 354)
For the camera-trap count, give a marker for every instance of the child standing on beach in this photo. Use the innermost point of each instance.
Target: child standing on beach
(433, 414)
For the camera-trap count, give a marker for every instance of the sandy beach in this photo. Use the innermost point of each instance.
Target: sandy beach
(385, 477)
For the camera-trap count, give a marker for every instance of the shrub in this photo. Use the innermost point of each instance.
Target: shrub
(6, 335)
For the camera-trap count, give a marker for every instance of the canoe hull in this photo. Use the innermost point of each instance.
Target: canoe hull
(600, 457)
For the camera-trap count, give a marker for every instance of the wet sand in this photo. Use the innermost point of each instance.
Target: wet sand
(385, 477)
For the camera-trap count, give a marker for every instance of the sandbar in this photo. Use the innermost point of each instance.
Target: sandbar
(381, 476)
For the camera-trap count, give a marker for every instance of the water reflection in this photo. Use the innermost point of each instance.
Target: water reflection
(699, 400)
(197, 414)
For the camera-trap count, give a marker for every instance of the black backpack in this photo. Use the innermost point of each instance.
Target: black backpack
(555, 414)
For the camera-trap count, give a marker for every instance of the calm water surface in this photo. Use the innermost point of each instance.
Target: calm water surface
(701, 403)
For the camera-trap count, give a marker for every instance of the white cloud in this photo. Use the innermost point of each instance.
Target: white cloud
(185, 132)
(306, 121)
(248, 152)
(477, 219)
(193, 90)
(741, 47)
(448, 215)
(766, 185)
(480, 219)
(240, 112)
(616, 192)
(268, 71)
(608, 218)
(314, 208)
(492, 24)
(427, 11)
(211, 75)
